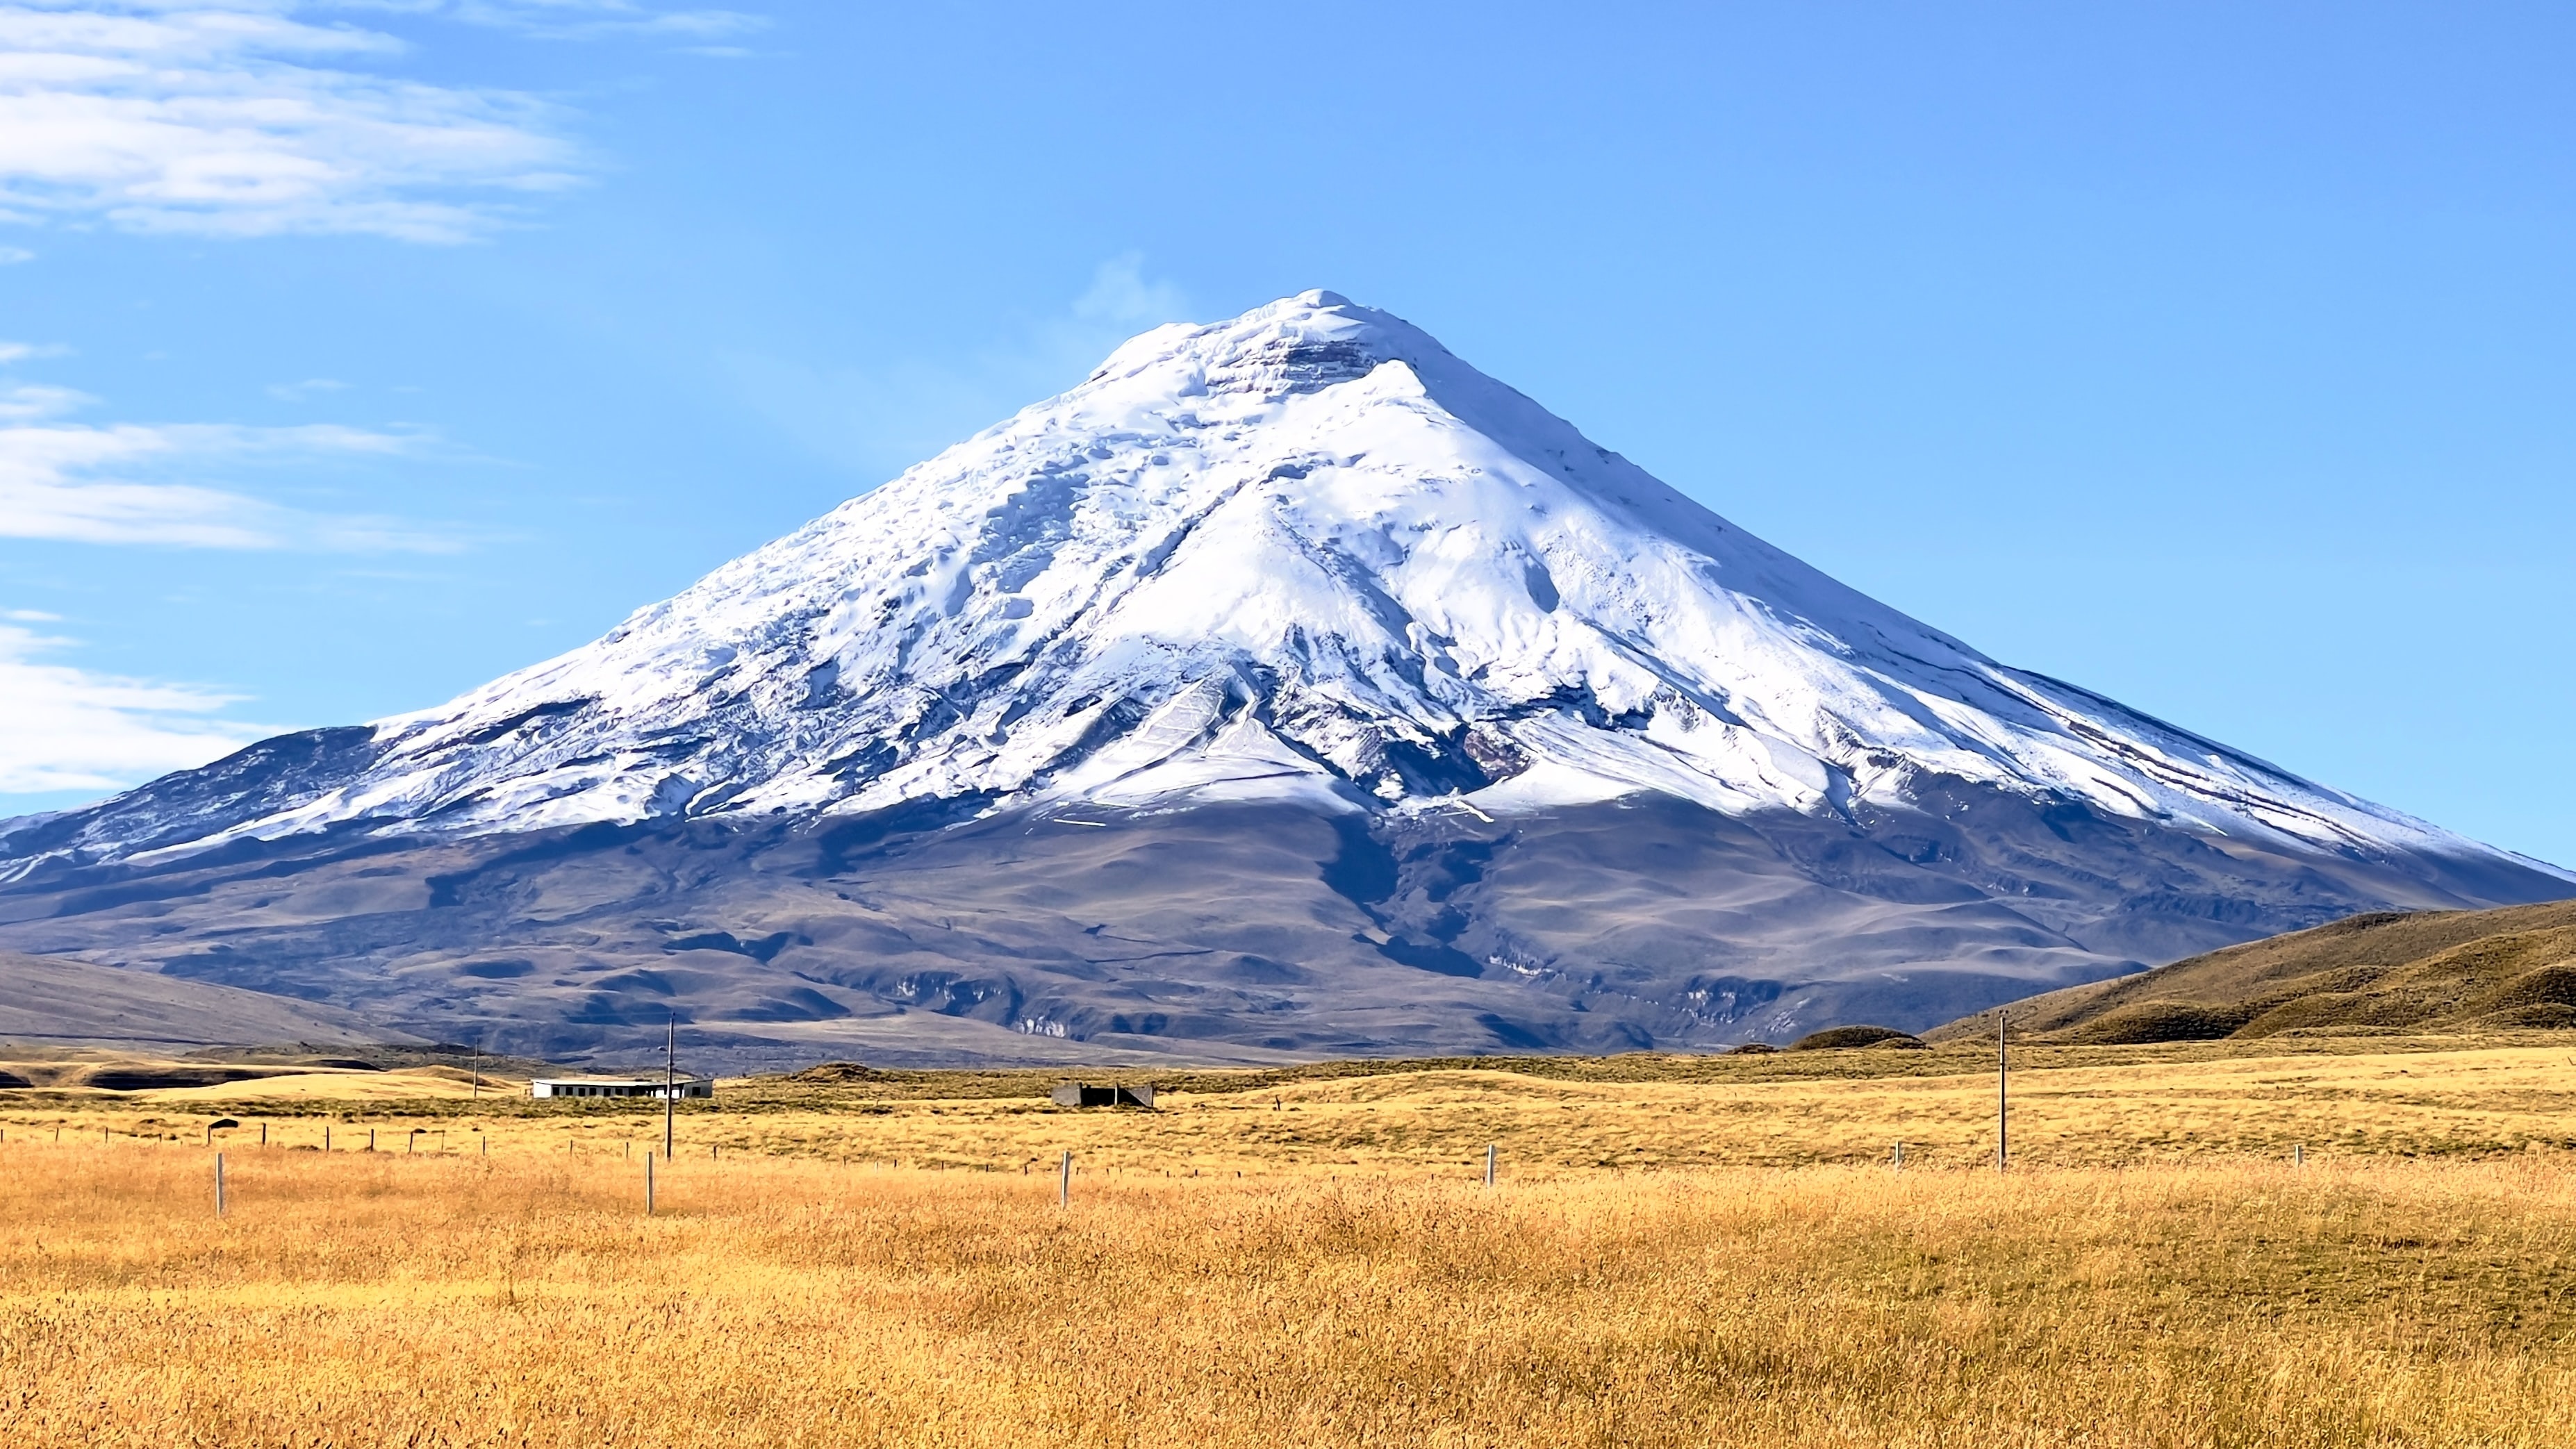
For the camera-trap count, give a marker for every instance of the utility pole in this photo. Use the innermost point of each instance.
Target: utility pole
(670, 1076)
(2003, 1101)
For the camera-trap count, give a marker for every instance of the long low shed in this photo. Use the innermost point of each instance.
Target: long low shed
(1084, 1094)
(685, 1086)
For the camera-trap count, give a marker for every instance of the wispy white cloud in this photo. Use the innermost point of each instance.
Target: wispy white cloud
(234, 117)
(305, 391)
(68, 728)
(258, 117)
(583, 19)
(11, 256)
(880, 420)
(20, 351)
(100, 485)
(127, 483)
(28, 402)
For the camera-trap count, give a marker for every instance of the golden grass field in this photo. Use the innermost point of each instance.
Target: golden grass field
(1701, 1252)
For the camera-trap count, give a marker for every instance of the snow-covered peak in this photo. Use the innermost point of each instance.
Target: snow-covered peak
(1303, 554)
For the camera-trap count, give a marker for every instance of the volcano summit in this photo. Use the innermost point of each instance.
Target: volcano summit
(1286, 687)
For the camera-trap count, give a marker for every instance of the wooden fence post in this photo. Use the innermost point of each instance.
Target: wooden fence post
(1064, 1184)
(219, 1184)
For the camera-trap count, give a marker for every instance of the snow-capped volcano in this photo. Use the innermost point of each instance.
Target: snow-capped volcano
(1307, 573)
(1307, 554)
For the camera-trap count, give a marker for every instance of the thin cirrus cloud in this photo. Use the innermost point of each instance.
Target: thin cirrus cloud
(583, 19)
(115, 484)
(68, 728)
(237, 118)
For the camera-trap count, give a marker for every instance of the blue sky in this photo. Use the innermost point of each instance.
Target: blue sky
(2218, 358)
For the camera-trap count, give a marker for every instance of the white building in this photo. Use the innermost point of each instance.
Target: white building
(683, 1085)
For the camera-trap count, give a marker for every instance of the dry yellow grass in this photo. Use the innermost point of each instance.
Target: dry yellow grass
(406, 1084)
(2156, 1275)
(356, 1300)
(2072, 1107)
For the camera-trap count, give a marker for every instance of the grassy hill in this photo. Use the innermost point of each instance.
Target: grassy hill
(2390, 972)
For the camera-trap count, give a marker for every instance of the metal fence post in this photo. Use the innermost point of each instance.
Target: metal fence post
(1064, 1184)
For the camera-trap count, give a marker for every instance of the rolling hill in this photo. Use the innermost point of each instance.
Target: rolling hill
(2429, 971)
